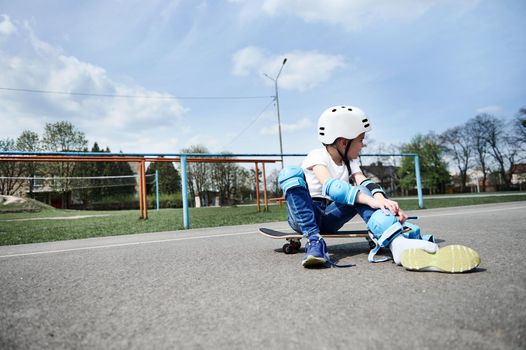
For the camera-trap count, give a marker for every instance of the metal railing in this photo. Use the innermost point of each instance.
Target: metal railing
(183, 159)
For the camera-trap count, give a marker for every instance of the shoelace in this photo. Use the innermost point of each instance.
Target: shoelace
(327, 257)
(332, 263)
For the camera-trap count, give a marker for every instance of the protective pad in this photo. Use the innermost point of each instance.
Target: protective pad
(379, 223)
(340, 191)
(373, 187)
(290, 177)
(413, 232)
(383, 228)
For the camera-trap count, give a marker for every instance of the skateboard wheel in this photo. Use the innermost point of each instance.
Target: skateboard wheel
(288, 249)
(296, 245)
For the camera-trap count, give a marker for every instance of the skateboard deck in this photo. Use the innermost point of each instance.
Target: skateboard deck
(294, 238)
(289, 235)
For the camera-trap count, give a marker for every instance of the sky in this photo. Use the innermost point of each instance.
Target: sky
(158, 76)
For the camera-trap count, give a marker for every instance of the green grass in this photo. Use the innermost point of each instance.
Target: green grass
(122, 222)
(128, 222)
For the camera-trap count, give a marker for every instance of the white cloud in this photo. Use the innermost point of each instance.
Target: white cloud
(141, 123)
(6, 26)
(304, 69)
(301, 124)
(350, 14)
(247, 60)
(489, 109)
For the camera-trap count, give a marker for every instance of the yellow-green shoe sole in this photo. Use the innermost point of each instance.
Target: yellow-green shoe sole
(312, 261)
(452, 259)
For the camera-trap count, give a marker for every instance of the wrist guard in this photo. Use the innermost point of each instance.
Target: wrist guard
(373, 187)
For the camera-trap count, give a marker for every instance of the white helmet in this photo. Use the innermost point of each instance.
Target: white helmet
(342, 121)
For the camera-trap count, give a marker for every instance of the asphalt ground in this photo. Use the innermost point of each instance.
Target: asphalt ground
(232, 288)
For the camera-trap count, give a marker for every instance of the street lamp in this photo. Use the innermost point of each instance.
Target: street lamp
(276, 98)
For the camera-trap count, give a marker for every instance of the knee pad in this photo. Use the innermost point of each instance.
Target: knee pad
(291, 177)
(384, 228)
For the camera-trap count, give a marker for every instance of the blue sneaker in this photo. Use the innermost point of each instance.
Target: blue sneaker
(315, 253)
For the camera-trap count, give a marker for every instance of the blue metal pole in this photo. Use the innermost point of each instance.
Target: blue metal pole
(419, 182)
(157, 189)
(184, 184)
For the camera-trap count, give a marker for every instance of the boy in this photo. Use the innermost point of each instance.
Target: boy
(320, 198)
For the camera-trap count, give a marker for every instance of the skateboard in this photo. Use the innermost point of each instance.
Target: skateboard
(294, 239)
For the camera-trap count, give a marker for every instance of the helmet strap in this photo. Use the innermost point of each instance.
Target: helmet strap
(345, 160)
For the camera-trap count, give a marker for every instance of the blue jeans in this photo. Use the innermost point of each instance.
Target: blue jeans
(310, 216)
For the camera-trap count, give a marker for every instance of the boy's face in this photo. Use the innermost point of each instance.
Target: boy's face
(356, 146)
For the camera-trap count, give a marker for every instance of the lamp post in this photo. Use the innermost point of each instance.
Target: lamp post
(276, 98)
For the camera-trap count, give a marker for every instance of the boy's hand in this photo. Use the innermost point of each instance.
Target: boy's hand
(378, 201)
(387, 204)
(402, 217)
(392, 206)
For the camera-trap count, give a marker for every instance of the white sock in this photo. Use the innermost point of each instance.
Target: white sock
(400, 244)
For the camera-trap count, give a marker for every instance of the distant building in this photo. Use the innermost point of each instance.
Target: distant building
(384, 175)
(518, 172)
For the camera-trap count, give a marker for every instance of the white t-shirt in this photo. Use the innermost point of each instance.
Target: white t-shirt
(320, 156)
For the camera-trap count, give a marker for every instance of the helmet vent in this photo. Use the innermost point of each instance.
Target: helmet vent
(322, 133)
(322, 128)
(334, 110)
(366, 125)
(349, 109)
(365, 120)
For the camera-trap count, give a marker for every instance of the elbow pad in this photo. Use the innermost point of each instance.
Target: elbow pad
(340, 191)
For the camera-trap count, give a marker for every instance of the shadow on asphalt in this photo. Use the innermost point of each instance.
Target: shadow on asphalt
(340, 251)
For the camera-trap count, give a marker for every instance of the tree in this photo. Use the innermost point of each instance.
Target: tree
(500, 146)
(476, 132)
(457, 144)
(224, 176)
(245, 183)
(63, 137)
(10, 170)
(198, 174)
(273, 183)
(169, 178)
(433, 169)
(92, 190)
(519, 128)
(29, 141)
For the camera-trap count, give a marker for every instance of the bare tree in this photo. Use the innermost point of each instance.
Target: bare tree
(456, 143)
(501, 147)
(273, 183)
(9, 171)
(224, 176)
(199, 174)
(475, 129)
(29, 141)
(519, 128)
